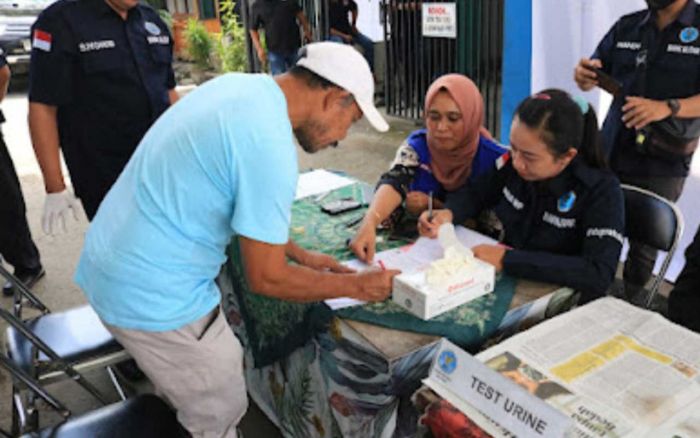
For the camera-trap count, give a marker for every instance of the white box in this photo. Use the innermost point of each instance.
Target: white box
(411, 292)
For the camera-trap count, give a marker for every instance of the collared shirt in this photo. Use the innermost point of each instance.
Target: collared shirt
(220, 163)
(109, 78)
(567, 230)
(279, 19)
(673, 71)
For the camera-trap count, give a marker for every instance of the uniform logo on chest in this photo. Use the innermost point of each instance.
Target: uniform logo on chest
(91, 46)
(688, 34)
(152, 28)
(566, 202)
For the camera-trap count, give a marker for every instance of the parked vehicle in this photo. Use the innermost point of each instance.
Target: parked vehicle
(16, 19)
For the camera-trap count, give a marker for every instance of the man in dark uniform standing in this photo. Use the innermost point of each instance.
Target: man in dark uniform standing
(16, 244)
(100, 75)
(280, 19)
(655, 55)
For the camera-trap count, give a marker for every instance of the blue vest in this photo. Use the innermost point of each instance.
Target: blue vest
(424, 181)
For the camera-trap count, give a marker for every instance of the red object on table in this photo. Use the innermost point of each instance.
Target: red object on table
(446, 421)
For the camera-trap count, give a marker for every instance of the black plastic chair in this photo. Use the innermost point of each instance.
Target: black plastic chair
(655, 221)
(144, 416)
(53, 347)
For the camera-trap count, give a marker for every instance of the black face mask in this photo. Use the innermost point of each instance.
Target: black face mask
(655, 5)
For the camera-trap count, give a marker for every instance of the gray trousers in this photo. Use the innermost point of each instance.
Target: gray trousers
(641, 258)
(197, 368)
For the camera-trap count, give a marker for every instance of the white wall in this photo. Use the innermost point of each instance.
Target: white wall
(369, 19)
(563, 31)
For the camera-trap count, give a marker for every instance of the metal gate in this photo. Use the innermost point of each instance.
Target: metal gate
(414, 61)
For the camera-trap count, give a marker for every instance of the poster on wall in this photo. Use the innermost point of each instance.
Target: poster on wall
(439, 20)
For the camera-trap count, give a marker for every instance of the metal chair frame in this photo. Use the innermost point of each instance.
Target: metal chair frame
(25, 418)
(680, 225)
(100, 416)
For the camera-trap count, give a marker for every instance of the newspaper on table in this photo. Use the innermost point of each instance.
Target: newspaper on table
(413, 257)
(614, 369)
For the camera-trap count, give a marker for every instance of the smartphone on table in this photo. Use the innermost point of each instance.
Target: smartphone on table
(340, 206)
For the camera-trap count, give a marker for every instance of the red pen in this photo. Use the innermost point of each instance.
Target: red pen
(381, 265)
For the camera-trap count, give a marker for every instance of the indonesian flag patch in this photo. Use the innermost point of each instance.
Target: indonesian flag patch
(42, 40)
(502, 160)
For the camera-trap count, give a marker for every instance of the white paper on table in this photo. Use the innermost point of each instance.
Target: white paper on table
(341, 303)
(409, 258)
(319, 181)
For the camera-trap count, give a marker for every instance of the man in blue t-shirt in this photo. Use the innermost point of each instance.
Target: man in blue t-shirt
(220, 163)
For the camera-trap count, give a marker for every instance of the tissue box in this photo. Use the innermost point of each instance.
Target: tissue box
(411, 291)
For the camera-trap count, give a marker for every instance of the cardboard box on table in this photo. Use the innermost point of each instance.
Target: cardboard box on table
(411, 291)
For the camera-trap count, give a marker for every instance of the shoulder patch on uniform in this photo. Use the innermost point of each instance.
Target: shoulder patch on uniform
(502, 160)
(42, 40)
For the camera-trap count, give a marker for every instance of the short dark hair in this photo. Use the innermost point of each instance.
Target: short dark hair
(311, 79)
(314, 81)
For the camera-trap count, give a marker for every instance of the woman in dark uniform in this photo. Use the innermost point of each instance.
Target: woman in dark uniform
(561, 209)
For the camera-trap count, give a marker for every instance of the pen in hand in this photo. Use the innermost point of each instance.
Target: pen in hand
(430, 206)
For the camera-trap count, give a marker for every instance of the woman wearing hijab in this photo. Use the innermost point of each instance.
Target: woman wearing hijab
(561, 208)
(453, 149)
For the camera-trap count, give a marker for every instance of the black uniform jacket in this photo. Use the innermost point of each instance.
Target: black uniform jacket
(567, 230)
(109, 79)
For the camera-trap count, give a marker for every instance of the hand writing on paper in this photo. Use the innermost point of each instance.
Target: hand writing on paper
(363, 244)
(429, 228)
(375, 285)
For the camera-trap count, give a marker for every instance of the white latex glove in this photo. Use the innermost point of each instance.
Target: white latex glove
(56, 209)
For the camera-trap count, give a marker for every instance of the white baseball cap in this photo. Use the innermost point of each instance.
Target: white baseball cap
(345, 67)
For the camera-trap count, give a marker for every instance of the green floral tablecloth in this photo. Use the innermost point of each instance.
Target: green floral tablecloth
(275, 328)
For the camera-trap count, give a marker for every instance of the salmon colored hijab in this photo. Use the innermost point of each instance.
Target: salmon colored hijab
(452, 168)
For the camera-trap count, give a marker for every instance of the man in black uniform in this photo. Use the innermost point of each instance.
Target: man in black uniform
(16, 244)
(100, 75)
(684, 300)
(655, 55)
(343, 31)
(280, 19)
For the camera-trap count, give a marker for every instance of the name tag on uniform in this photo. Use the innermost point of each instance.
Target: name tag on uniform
(160, 39)
(557, 221)
(92, 46)
(682, 49)
(629, 45)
